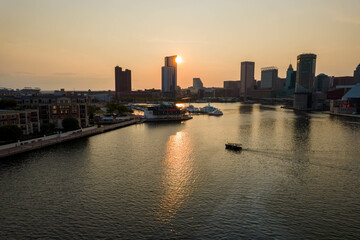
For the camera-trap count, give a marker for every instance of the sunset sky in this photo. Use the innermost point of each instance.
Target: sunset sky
(76, 44)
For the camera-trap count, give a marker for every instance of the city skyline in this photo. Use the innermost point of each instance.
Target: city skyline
(55, 45)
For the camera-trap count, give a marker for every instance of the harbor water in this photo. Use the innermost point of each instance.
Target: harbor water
(298, 177)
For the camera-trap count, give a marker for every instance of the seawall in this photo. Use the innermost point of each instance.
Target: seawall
(38, 143)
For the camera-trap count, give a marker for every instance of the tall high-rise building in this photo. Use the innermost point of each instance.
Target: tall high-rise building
(122, 81)
(305, 81)
(197, 83)
(169, 77)
(269, 78)
(290, 78)
(247, 78)
(357, 74)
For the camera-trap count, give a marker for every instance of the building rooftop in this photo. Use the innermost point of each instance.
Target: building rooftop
(269, 68)
(352, 93)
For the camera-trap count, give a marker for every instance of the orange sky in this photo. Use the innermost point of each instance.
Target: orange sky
(77, 44)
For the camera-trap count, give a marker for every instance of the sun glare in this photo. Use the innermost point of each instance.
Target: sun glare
(179, 105)
(178, 59)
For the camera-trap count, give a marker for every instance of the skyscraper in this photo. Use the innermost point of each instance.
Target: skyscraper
(197, 83)
(169, 77)
(122, 81)
(269, 78)
(357, 74)
(247, 77)
(305, 77)
(290, 78)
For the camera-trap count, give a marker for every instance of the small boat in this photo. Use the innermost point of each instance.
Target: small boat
(217, 112)
(192, 109)
(233, 146)
(208, 109)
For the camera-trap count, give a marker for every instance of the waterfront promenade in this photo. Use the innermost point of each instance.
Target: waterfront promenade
(37, 143)
(345, 115)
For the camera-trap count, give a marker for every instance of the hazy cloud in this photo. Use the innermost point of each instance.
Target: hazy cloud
(348, 20)
(65, 74)
(159, 40)
(24, 73)
(3, 75)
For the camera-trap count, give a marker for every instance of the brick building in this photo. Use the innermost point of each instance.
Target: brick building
(53, 109)
(28, 120)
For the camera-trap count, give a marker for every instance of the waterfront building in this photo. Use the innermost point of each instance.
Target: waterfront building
(322, 83)
(28, 120)
(349, 103)
(165, 112)
(305, 77)
(290, 79)
(234, 86)
(197, 83)
(341, 81)
(257, 84)
(247, 78)
(281, 82)
(53, 109)
(169, 77)
(357, 74)
(269, 78)
(122, 81)
(262, 93)
(144, 94)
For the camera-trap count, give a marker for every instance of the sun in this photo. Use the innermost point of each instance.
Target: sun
(178, 59)
(179, 105)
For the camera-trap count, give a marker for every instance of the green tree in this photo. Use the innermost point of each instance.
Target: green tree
(7, 104)
(91, 112)
(70, 124)
(111, 107)
(122, 109)
(10, 133)
(47, 128)
(91, 109)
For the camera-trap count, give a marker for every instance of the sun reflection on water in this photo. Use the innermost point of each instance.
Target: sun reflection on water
(177, 179)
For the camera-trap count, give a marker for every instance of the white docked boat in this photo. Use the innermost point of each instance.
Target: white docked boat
(211, 110)
(208, 109)
(192, 109)
(217, 112)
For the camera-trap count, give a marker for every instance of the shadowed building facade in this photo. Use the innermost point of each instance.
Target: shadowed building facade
(122, 81)
(357, 74)
(234, 86)
(269, 78)
(169, 77)
(197, 83)
(305, 79)
(54, 109)
(322, 83)
(247, 78)
(290, 79)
